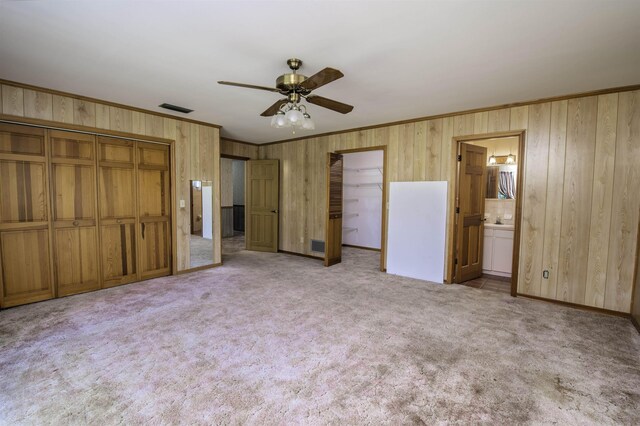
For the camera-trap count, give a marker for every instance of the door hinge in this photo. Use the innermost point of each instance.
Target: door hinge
(460, 157)
(457, 209)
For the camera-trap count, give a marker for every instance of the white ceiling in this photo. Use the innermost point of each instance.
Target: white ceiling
(401, 60)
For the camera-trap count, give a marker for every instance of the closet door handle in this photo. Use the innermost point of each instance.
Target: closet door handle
(274, 211)
(75, 223)
(142, 230)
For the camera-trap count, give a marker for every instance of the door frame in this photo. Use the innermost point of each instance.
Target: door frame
(383, 224)
(452, 229)
(245, 159)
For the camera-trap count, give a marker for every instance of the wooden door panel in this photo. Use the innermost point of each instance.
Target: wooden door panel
(76, 252)
(117, 192)
(333, 232)
(22, 140)
(115, 151)
(68, 146)
(73, 191)
(118, 248)
(153, 192)
(154, 249)
(23, 192)
(262, 205)
(25, 258)
(470, 219)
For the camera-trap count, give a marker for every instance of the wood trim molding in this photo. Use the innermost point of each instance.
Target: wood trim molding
(385, 184)
(577, 306)
(308, 256)
(238, 141)
(54, 125)
(361, 247)
(198, 268)
(234, 157)
(101, 101)
(463, 112)
(451, 236)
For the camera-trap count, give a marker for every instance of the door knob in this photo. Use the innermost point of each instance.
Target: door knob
(274, 211)
(75, 223)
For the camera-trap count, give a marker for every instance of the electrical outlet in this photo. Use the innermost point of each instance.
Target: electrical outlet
(545, 274)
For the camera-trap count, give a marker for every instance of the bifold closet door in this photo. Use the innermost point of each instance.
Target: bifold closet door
(25, 243)
(117, 209)
(73, 184)
(154, 209)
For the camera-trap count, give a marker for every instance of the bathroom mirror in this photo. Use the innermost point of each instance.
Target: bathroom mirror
(501, 182)
(201, 221)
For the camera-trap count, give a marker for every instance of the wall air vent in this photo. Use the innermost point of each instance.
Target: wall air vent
(317, 246)
(176, 108)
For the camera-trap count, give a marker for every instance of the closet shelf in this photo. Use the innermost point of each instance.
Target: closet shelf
(348, 229)
(363, 169)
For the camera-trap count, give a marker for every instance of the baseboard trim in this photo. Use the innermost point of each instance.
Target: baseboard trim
(198, 268)
(577, 306)
(361, 247)
(300, 254)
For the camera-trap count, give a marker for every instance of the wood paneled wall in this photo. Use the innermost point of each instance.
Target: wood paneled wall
(197, 146)
(238, 149)
(581, 179)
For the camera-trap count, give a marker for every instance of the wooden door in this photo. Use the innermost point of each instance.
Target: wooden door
(154, 208)
(333, 230)
(117, 210)
(470, 212)
(262, 188)
(25, 240)
(74, 210)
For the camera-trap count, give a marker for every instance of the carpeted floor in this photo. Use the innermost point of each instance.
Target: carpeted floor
(279, 339)
(201, 251)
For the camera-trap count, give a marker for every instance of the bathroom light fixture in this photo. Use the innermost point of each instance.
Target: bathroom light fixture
(511, 159)
(492, 160)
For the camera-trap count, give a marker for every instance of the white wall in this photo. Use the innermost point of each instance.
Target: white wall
(207, 210)
(362, 219)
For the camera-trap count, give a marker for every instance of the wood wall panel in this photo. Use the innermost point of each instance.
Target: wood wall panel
(59, 110)
(12, 100)
(563, 141)
(553, 207)
(601, 199)
(576, 212)
(626, 203)
(226, 182)
(534, 203)
(38, 105)
(63, 109)
(84, 113)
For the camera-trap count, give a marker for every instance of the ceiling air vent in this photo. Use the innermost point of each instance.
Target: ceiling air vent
(176, 108)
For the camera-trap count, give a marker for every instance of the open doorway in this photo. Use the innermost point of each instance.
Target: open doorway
(486, 221)
(356, 195)
(232, 202)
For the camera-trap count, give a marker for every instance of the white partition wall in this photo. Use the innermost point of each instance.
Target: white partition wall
(417, 224)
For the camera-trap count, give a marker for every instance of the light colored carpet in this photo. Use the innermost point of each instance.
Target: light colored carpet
(279, 339)
(200, 251)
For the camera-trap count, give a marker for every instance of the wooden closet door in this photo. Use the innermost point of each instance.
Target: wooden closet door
(73, 183)
(25, 243)
(154, 210)
(117, 210)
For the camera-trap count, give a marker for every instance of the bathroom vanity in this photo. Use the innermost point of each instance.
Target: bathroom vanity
(498, 249)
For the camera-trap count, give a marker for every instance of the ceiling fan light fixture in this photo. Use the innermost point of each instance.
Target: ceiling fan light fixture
(278, 121)
(294, 116)
(308, 123)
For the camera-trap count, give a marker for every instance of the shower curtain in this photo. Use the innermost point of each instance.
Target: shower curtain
(506, 186)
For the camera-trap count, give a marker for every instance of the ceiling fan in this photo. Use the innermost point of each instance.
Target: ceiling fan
(296, 87)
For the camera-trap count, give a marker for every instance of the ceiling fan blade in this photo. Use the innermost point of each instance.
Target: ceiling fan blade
(329, 103)
(321, 78)
(250, 86)
(274, 108)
